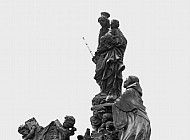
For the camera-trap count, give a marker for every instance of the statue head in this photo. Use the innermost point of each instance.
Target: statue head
(105, 14)
(31, 122)
(114, 23)
(130, 80)
(103, 20)
(133, 82)
(23, 130)
(69, 122)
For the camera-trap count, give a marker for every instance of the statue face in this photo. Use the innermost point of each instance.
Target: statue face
(126, 82)
(114, 24)
(68, 124)
(130, 80)
(103, 22)
(23, 130)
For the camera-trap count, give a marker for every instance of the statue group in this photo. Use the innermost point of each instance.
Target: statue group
(109, 57)
(116, 115)
(31, 130)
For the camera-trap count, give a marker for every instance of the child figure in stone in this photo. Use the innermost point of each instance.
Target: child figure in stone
(115, 41)
(115, 34)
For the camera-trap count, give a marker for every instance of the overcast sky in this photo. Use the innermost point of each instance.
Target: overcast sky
(46, 70)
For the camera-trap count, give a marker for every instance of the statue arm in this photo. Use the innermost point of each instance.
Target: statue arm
(119, 38)
(106, 44)
(104, 47)
(97, 54)
(101, 50)
(72, 131)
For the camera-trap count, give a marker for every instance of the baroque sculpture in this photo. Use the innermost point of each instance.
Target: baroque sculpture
(31, 130)
(116, 116)
(109, 57)
(129, 113)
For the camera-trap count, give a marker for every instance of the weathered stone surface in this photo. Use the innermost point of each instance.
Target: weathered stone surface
(116, 116)
(31, 130)
(109, 57)
(129, 113)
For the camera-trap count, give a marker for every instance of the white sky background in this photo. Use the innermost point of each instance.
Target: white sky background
(46, 70)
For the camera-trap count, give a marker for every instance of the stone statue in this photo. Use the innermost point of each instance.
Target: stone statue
(129, 113)
(105, 25)
(54, 131)
(108, 74)
(68, 127)
(116, 116)
(31, 130)
(109, 58)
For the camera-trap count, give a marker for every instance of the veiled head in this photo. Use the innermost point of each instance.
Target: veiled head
(130, 80)
(103, 20)
(69, 121)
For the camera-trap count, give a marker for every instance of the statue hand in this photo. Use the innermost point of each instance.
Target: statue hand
(74, 129)
(94, 59)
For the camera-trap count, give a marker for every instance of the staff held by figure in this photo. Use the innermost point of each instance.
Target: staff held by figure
(88, 47)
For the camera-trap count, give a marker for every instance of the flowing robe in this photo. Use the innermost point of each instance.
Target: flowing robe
(129, 115)
(109, 66)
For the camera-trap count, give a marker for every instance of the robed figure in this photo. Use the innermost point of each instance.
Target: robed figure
(129, 113)
(109, 58)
